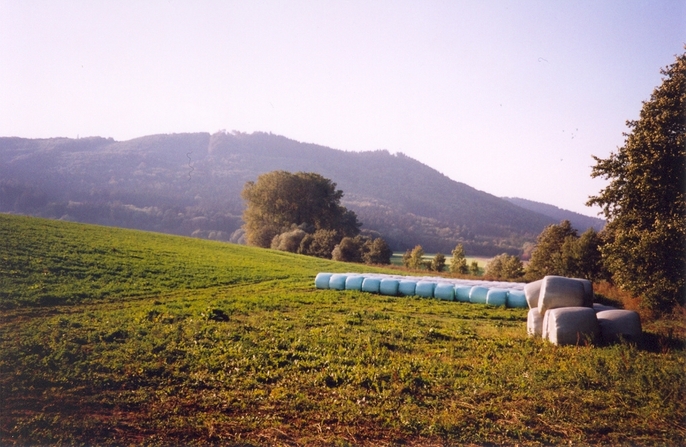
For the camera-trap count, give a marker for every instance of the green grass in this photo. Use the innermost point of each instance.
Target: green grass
(117, 337)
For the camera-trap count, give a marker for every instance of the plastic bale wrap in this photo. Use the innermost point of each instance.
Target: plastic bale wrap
(445, 291)
(389, 287)
(425, 289)
(602, 307)
(558, 291)
(588, 291)
(532, 291)
(371, 285)
(478, 294)
(462, 293)
(496, 297)
(570, 325)
(337, 282)
(619, 324)
(354, 282)
(322, 280)
(534, 323)
(516, 298)
(406, 287)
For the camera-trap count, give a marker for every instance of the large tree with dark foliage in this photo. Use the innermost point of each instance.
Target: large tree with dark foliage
(279, 201)
(645, 202)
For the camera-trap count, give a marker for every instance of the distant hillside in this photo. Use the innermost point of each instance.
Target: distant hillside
(190, 184)
(578, 221)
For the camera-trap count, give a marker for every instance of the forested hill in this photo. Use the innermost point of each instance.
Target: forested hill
(190, 184)
(578, 221)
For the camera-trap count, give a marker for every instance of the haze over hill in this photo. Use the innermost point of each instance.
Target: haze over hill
(190, 184)
(578, 221)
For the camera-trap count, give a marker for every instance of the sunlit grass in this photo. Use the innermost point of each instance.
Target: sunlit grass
(233, 345)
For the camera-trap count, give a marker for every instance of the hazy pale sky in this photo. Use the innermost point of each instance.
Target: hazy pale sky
(510, 97)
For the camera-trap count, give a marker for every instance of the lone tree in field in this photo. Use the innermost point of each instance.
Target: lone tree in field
(279, 201)
(458, 263)
(645, 202)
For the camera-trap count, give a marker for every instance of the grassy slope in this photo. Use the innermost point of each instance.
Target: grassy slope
(106, 338)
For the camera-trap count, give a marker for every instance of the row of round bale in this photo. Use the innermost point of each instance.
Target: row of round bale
(562, 310)
(481, 292)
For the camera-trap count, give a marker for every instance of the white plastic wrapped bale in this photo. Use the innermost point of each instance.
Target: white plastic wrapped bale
(558, 291)
(337, 281)
(602, 307)
(406, 287)
(532, 291)
(445, 291)
(425, 289)
(571, 325)
(588, 291)
(516, 298)
(354, 282)
(496, 297)
(478, 294)
(534, 323)
(389, 287)
(619, 324)
(462, 293)
(371, 285)
(321, 281)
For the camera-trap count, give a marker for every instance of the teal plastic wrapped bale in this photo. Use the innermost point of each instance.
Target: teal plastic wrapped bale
(337, 282)
(425, 289)
(445, 291)
(322, 280)
(354, 282)
(496, 297)
(462, 293)
(406, 287)
(478, 294)
(389, 287)
(371, 285)
(517, 299)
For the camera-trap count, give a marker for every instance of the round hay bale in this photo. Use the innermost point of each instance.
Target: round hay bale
(478, 294)
(620, 324)
(462, 293)
(496, 297)
(516, 299)
(425, 289)
(371, 285)
(389, 287)
(337, 281)
(558, 291)
(321, 281)
(354, 282)
(534, 323)
(570, 325)
(602, 307)
(406, 287)
(532, 291)
(445, 291)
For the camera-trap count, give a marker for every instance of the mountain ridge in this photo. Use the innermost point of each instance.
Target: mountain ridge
(190, 184)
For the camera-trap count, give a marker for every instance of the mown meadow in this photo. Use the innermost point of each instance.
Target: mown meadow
(119, 337)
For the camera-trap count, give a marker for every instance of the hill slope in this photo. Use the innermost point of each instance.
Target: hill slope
(578, 221)
(190, 184)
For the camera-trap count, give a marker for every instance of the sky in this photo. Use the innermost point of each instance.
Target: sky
(510, 97)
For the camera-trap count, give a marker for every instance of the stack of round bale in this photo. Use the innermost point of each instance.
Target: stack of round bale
(562, 311)
(483, 292)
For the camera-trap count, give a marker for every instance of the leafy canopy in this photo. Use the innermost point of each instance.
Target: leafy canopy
(280, 200)
(645, 203)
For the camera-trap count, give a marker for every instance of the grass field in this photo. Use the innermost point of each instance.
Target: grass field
(118, 337)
